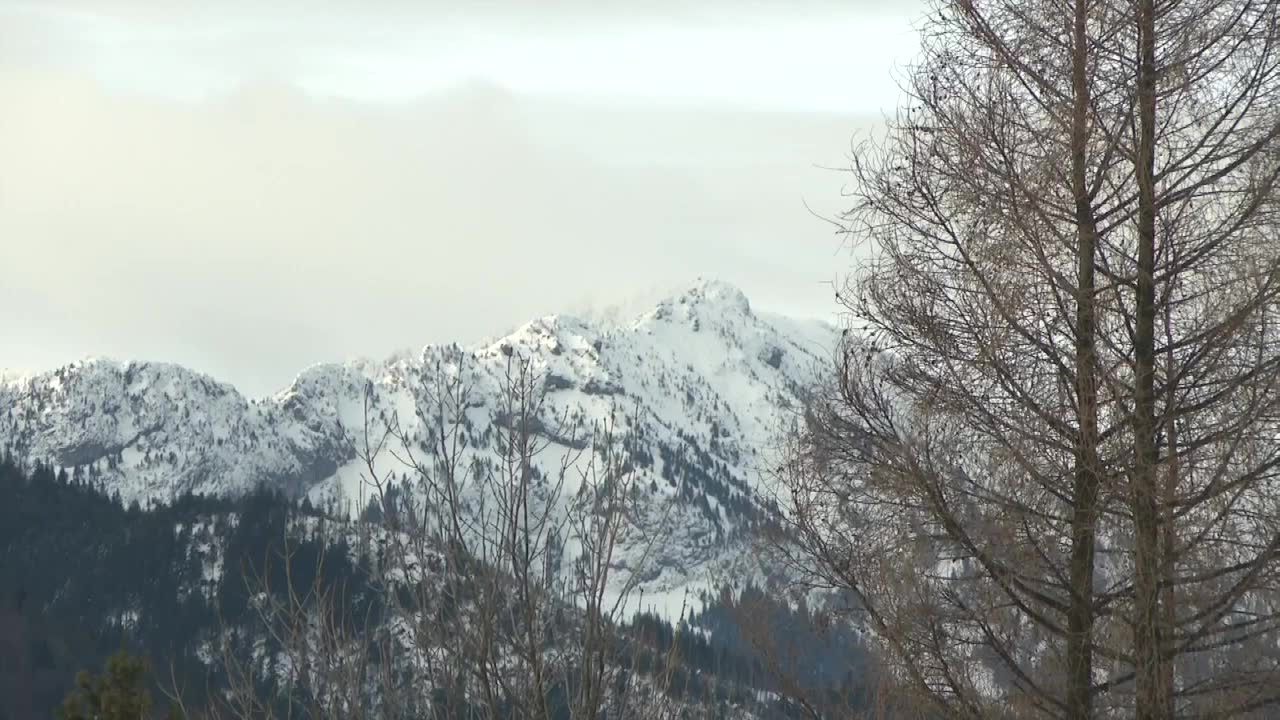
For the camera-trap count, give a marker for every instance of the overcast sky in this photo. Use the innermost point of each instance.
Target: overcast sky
(251, 187)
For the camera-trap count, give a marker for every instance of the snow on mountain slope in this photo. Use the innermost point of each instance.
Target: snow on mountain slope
(701, 384)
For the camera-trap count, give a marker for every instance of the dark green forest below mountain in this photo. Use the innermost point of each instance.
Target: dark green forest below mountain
(83, 577)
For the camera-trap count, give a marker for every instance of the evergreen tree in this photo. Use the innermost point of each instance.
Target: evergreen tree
(120, 693)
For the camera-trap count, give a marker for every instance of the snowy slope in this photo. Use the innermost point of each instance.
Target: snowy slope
(701, 383)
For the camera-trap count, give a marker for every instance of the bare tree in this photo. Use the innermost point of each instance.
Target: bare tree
(601, 517)
(494, 542)
(1046, 503)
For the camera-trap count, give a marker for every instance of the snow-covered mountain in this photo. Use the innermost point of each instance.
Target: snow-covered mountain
(701, 384)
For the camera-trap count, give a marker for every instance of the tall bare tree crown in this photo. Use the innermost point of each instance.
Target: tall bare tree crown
(1045, 460)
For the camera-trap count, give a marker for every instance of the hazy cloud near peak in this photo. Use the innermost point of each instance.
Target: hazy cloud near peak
(273, 230)
(286, 220)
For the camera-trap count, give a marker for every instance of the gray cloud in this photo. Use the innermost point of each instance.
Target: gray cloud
(807, 55)
(271, 230)
(262, 228)
(577, 10)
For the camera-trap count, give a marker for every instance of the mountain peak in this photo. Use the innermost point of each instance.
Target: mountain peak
(718, 292)
(697, 387)
(706, 302)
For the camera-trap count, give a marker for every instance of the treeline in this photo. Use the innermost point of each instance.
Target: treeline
(85, 577)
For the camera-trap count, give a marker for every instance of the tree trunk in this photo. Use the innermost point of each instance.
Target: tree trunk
(1146, 517)
(1085, 493)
